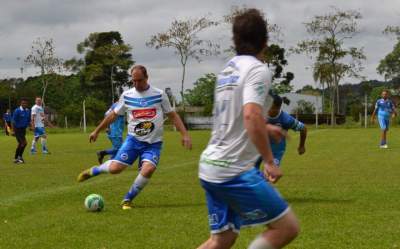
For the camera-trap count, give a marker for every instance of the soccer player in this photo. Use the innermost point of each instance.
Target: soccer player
(236, 193)
(145, 106)
(114, 134)
(21, 119)
(7, 122)
(284, 120)
(385, 109)
(38, 120)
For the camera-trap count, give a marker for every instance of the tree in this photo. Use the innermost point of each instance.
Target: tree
(182, 36)
(274, 57)
(389, 66)
(105, 64)
(304, 107)
(333, 61)
(43, 56)
(202, 93)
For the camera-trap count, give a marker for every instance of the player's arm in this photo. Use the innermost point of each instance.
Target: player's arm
(374, 113)
(177, 121)
(275, 132)
(255, 127)
(394, 112)
(33, 117)
(111, 117)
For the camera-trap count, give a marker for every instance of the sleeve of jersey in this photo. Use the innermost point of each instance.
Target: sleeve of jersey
(33, 111)
(256, 86)
(120, 107)
(376, 104)
(297, 125)
(165, 104)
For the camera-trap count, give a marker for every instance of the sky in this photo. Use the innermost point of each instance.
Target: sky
(69, 22)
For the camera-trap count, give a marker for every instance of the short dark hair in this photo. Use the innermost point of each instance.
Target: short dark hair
(250, 33)
(142, 69)
(278, 100)
(24, 99)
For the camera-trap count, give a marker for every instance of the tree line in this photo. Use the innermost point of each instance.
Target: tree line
(99, 72)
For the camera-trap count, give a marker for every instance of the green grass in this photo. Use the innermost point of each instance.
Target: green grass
(345, 191)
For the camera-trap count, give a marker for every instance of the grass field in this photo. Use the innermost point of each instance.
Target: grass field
(345, 191)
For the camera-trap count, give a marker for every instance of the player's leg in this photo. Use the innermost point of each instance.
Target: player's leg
(22, 144)
(126, 155)
(36, 137)
(43, 142)
(224, 240)
(148, 161)
(18, 149)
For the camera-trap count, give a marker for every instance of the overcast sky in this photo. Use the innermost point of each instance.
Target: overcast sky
(68, 22)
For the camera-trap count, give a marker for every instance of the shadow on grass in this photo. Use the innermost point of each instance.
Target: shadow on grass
(318, 200)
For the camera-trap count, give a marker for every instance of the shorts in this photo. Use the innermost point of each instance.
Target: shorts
(20, 134)
(246, 200)
(116, 142)
(39, 131)
(384, 122)
(132, 148)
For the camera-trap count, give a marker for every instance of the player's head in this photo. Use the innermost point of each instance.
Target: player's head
(385, 94)
(139, 77)
(24, 102)
(277, 105)
(38, 101)
(250, 33)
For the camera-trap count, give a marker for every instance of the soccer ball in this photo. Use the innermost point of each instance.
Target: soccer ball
(94, 203)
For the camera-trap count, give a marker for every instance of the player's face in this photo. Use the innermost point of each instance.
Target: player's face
(139, 80)
(24, 104)
(273, 111)
(384, 95)
(38, 101)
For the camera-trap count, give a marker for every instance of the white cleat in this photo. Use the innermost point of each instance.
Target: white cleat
(385, 146)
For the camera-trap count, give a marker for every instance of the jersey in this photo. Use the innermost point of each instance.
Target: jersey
(116, 128)
(286, 121)
(230, 152)
(385, 107)
(37, 112)
(145, 111)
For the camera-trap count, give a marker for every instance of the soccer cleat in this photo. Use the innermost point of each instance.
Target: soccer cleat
(384, 146)
(19, 161)
(33, 151)
(126, 204)
(84, 175)
(45, 152)
(100, 156)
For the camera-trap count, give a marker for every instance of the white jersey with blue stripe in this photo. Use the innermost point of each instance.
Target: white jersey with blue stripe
(145, 111)
(230, 151)
(37, 112)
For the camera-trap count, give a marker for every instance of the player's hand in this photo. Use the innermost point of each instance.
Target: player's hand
(272, 172)
(187, 142)
(276, 132)
(93, 137)
(301, 150)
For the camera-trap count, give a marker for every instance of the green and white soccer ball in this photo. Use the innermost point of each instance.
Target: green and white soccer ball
(94, 203)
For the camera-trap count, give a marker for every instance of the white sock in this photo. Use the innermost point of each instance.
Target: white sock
(260, 243)
(137, 186)
(43, 141)
(33, 144)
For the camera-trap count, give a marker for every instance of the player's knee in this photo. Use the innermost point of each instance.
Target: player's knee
(116, 168)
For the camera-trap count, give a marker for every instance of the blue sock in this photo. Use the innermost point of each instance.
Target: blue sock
(137, 186)
(383, 142)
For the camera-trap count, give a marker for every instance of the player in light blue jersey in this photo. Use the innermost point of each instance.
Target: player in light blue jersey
(284, 120)
(385, 109)
(114, 134)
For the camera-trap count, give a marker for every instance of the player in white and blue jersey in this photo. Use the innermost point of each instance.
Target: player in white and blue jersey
(284, 120)
(385, 109)
(38, 120)
(114, 134)
(237, 195)
(145, 107)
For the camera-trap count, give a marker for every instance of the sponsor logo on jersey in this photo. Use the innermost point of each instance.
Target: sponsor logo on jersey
(144, 113)
(144, 128)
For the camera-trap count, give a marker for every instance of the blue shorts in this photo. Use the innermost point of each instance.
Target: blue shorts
(39, 131)
(131, 149)
(246, 200)
(116, 142)
(384, 122)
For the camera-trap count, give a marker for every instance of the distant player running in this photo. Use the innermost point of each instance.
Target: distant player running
(385, 109)
(236, 193)
(38, 121)
(114, 134)
(145, 106)
(284, 120)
